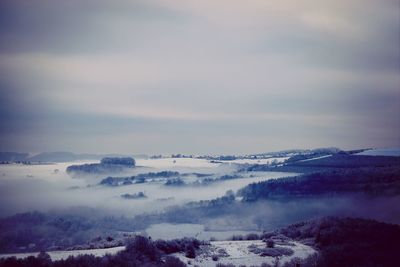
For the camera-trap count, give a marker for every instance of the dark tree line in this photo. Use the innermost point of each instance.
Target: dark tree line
(337, 161)
(369, 181)
(106, 165)
(140, 178)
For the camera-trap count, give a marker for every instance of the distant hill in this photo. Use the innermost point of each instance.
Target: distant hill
(304, 152)
(106, 165)
(67, 157)
(13, 156)
(60, 157)
(373, 176)
(381, 152)
(343, 160)
(56, 157)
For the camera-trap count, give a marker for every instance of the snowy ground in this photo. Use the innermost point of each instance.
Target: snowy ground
(381, 152)
(173, 231)
(321, 157)
(63, 254)
(172, 163)
(257, 161)
(237, 253)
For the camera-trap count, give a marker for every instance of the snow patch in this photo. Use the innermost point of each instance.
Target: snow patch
(64, 254)
(395, 152)
(321, 157)
(238, 253)
(257, 161)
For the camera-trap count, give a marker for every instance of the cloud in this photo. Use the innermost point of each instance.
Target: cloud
(303, 74)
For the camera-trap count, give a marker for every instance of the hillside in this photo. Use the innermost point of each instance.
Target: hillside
(367, 181)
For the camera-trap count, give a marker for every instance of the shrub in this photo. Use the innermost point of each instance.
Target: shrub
(237, 237)
(143, 247)
(168, 246)
(190, 252)
(270, 243)
(276, 252)
(173, 262)
(252, 237)
(224, 265)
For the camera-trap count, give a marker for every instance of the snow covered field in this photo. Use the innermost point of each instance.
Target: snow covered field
(173, 231)
(63, 254)
(235, 252)
(381, 152)
(238, 253)
(257, 161)
(173, 163)
(321, 157)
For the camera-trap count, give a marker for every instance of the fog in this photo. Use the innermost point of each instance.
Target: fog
(273, 214)
(269, 215)
(76, 209)
(47, 187)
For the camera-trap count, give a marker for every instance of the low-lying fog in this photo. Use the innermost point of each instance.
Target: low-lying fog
(48, 186)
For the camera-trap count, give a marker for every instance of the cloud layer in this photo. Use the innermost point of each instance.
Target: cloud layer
(198, 76)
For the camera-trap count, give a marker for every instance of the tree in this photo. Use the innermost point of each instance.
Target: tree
(173, 262)
(44, 258)
(190, 252)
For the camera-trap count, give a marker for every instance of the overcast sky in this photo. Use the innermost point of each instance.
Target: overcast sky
(206, 76)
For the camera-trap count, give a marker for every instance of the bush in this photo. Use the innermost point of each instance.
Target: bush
(168, 246)
(143, 247)
(190, 252)
(252, 237)
(224, 265)
(270, 243)
(177, 245)
(173, 262)
(276, 252)
(237, 237)
(310, 261)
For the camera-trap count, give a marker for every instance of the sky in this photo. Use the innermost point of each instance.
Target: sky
(209, 76)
